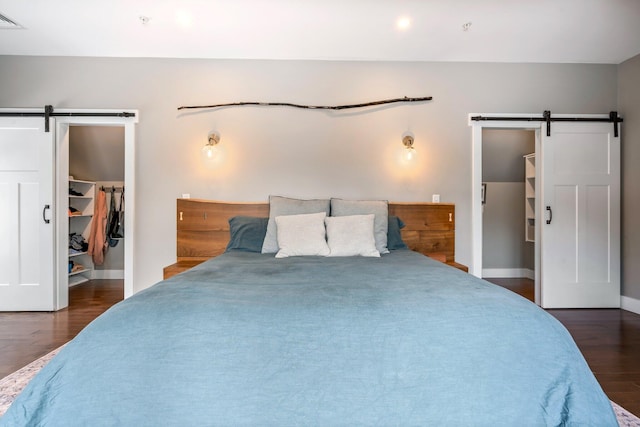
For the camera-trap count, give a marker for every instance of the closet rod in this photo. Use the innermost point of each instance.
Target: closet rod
(48, 112)
(546, 117)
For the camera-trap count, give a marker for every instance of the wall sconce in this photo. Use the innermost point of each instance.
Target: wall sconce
(210, 151)
(409, 153)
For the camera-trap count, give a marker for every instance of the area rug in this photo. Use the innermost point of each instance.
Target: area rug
(12, 385)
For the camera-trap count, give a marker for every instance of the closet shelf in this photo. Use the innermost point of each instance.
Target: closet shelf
(81, 199)
(81, 181)
(84, 270)
(76, 280)
(530, 197)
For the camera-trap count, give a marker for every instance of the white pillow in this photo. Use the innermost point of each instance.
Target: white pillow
(380, 208)
(301, 235)
(351, 235)
(279, 206)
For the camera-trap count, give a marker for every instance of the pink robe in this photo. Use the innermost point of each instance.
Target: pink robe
(98, 235)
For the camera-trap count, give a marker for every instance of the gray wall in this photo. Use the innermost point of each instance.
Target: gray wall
(503, 240)
(629, 107)
(502, 154)
(96, 153)
(299, 152)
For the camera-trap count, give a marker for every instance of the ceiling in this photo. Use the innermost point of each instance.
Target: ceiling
(557, 31)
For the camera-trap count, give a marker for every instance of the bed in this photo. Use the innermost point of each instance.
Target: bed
(246, 338)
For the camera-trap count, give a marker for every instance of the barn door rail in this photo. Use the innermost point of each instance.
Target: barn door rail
(546, 117)
(48, 112)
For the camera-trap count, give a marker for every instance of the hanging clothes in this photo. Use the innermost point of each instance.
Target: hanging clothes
(114, 231)
(97, 237)
(121, 215)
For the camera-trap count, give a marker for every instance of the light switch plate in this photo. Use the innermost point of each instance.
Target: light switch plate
(435, 198)
(186, 195)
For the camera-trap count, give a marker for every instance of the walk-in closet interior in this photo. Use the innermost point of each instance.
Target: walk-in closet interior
(96, 203)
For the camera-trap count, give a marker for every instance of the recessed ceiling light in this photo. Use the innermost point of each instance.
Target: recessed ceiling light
(403, 23)
(184, 18)
(466, 26)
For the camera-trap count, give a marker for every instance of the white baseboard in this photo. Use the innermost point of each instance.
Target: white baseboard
(508, 273)
(630, 304)
(108, 274)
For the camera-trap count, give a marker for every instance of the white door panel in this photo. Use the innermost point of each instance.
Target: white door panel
(580, 234)
(26, 239)
(28, 235)
(563, 217)
(597, 262)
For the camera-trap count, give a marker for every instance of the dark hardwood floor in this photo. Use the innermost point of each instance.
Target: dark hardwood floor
(609, 339)
(24, 336)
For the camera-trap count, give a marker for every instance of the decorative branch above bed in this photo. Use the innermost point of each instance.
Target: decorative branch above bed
(312, 107)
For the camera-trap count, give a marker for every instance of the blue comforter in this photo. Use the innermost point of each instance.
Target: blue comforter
(246, 339)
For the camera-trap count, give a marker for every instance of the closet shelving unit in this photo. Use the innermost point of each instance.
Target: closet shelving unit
(80, 223)
(530, 196)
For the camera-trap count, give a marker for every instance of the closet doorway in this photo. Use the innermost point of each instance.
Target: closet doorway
(508, 244)
(94, 153)
(96, 165)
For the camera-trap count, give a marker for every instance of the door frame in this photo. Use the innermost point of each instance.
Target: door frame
(476, 179)
(61, 189)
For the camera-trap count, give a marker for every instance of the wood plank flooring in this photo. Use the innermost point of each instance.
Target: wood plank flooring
(609, 339)
(24, 336)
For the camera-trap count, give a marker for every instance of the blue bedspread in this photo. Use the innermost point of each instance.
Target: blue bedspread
(246, 339)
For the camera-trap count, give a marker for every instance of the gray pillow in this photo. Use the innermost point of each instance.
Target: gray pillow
(380, 208)
(246, 233)
(279, 206)
(394, 235)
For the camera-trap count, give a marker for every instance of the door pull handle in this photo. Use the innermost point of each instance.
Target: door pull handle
(550, 214)
(44, 210)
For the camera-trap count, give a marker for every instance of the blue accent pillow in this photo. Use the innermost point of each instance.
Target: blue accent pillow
(247, 233)
(394, 237)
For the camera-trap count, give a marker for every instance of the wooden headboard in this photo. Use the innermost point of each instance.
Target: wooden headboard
(203, 226)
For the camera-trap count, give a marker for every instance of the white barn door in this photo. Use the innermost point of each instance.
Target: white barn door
(26, 215)
(580, 221)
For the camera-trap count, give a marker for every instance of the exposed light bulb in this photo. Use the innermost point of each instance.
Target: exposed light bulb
(210, 151)
(410, 153)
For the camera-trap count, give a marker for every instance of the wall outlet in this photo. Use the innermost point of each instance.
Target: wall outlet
(435, 198)
(186, 195)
